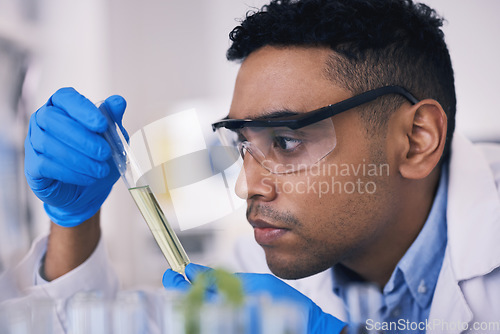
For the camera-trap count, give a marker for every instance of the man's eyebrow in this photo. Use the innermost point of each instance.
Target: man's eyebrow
(271, 115)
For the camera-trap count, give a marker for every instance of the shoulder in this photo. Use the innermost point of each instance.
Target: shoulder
(474, 161)
(491, 153)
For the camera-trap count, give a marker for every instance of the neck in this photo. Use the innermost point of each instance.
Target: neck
(376, 262)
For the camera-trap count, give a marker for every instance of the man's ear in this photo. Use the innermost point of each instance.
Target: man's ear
(426, 126)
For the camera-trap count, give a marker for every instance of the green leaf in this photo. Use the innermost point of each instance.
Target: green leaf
(228, 285)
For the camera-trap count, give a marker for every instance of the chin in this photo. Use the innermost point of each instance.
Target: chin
(295, 269)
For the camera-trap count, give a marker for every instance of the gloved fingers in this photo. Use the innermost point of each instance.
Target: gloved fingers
(39, 166)
(79, 108)
(266, 283)
(57, 152)
(175, 281)
(53, 122)
(73, 168)
(253, 283)
(116, 105)
(193, 270)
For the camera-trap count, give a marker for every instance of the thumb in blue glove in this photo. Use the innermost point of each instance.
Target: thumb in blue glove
(255, 284)
(67, 162)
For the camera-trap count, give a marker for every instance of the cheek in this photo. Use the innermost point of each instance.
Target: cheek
(318, 203)
(338, 204)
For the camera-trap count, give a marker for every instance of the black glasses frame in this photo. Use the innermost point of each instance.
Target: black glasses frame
(300, 120)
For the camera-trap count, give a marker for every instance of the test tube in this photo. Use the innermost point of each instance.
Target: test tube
(88, 312)
(129, 313)
(143, 196)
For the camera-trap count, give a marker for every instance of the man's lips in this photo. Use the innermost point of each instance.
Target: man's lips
(266, 233)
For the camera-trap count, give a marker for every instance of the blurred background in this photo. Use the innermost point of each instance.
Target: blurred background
(164, 56)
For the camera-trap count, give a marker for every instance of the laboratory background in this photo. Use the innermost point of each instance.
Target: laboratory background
(166, 57)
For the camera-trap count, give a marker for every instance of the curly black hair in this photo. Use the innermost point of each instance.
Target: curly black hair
(375, 43)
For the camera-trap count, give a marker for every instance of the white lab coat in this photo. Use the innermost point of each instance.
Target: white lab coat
(468, 287)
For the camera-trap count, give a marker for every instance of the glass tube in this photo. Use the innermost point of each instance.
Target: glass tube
(143, 196)
(364, 301)
(129, 313)
(88, 312)
(27, 316)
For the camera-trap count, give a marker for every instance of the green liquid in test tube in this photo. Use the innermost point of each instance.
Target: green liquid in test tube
(143, 196)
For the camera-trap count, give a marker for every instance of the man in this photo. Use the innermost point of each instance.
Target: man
(344, 113)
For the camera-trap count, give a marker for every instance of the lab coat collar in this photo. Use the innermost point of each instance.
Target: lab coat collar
(473, 213)
(473, 219)
(449, 312)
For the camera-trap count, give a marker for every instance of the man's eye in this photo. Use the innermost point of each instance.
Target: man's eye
(286, 143)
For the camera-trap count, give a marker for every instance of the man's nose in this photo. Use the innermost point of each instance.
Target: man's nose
(254, 180)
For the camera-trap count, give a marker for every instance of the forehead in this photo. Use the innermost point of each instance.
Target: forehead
(274, 79)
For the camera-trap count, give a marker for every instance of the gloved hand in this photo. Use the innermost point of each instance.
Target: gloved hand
(67, 162)
(318, 321)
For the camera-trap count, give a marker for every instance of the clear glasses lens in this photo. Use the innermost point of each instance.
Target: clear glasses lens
(283, 150)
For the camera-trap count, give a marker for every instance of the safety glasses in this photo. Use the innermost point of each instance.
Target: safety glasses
(291, 143)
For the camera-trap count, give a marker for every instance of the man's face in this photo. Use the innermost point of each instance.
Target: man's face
(307, 222)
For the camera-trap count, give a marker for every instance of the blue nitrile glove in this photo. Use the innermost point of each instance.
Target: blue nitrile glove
(67, 162)
(319, 322)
